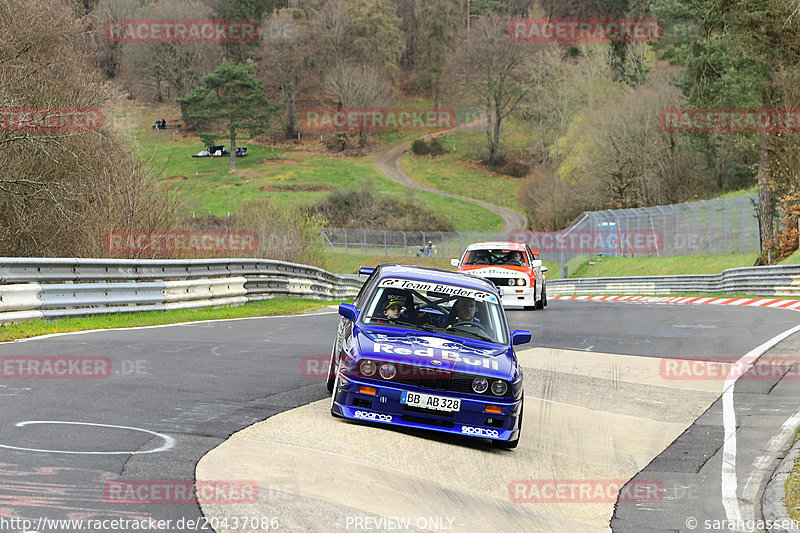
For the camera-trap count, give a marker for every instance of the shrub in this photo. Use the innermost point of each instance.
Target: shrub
(435, 147)
(420, 147)
(362, 208)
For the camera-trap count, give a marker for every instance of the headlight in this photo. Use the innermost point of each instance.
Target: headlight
(521, 281)
(387, 371)
(367, 367)
(480, 385)
(499, 388)
(511, 281)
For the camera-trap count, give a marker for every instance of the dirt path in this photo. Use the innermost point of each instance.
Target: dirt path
(388, 162)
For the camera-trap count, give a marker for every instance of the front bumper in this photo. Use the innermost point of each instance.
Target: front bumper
(385, 407)
(517, 297)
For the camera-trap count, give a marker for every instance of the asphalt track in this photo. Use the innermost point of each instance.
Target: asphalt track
(596, 409)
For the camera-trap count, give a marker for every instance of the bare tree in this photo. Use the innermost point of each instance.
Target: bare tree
(109, 54)
(357, 87)
(287, 52)
(491, 71)
(62, 189)
(178, 66)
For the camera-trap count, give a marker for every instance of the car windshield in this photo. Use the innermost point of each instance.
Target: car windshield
(496, 256)
(437, 307)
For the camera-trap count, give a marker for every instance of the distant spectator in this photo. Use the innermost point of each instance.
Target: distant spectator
(430, 248)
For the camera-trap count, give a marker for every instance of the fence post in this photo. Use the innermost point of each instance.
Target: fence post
(663, 231)
(725, 207)
(364, 247)
(460, 245)
(405, 244)
(345, 241)
(693, 236)
(442, 250)
(708, 208)
(385, 246)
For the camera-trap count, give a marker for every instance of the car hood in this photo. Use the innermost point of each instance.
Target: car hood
(433, 351)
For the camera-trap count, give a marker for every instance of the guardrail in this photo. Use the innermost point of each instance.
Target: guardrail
(33, 288)
(781, 280)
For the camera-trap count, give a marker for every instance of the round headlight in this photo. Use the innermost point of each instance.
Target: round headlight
(480, 385)
(511, 281)
(521, 281)
(367, 367)
(387, 371)
(499, 388)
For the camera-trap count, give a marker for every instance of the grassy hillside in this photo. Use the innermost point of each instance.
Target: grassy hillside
(662, 266)
(289, 175)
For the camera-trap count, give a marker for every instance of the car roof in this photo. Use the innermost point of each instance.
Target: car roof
(436, 275)
(497, 244)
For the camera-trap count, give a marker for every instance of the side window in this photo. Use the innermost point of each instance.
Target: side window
(366, 288)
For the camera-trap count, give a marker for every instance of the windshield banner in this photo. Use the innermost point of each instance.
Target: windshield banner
(415, 285)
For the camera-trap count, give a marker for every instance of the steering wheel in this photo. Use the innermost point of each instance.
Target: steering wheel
(470, 323)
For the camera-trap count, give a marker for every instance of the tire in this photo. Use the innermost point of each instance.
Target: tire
(331, 371)
(544, 296)
(511, 444)
(540, 302)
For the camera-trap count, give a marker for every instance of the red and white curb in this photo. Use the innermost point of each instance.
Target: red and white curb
(749, 302)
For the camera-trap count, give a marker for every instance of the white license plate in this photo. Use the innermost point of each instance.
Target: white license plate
(428, 401)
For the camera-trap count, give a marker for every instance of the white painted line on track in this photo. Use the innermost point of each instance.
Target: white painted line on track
(169, 442)
(729, 483)
(51, 335)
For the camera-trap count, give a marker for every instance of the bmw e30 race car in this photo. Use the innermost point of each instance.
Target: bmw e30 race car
(428, 348)
(513, 267)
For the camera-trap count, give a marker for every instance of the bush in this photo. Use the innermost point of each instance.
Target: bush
(362, 208)
(283, 234)
(436, 148)
(420, 147)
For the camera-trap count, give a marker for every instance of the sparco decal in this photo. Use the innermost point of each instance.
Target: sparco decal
(434, 353)
(364, 415)
(469, 430)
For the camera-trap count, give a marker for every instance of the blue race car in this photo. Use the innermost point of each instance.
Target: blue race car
(429, 348)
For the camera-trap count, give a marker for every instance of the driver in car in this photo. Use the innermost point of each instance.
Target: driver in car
(463, 310)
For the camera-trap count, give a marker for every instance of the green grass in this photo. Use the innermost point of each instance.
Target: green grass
(739, 193)
(792, 259)
(662, 266)
(290, 176)
(277, 306)
(448, 173)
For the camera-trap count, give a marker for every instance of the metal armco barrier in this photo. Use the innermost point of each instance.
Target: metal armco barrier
(755, 281)
(33, 288)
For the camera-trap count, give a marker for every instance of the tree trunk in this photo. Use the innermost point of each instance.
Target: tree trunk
(233, 149)
(765, 206)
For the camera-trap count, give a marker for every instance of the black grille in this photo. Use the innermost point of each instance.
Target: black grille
(426, 378)
(501, 282)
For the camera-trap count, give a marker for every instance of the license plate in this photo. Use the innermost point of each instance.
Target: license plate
(428, 401)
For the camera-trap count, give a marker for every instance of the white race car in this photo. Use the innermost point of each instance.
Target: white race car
(513, 267)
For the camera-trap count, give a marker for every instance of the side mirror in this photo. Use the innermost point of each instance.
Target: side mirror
(544, 269)
(348, 311)
(520, 336)
(454, 262)
(536, 263)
